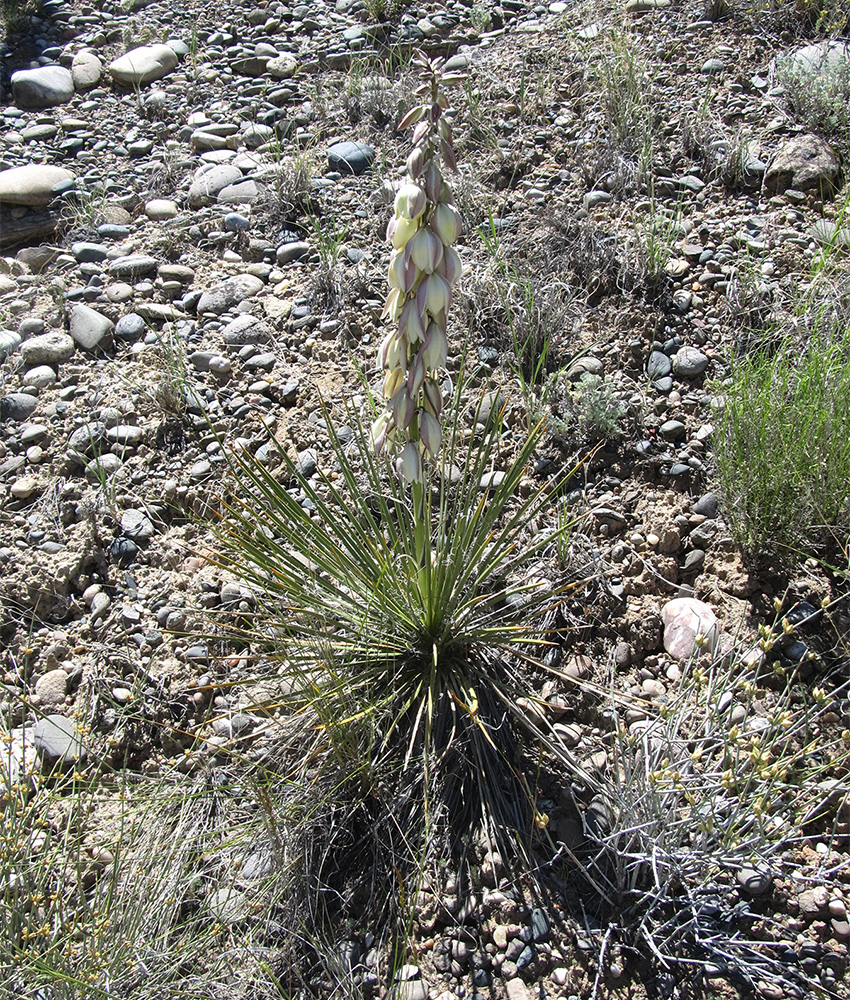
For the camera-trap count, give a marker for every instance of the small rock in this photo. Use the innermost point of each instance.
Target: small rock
(350, 157)
(52, 688)
(706, 505)
(160, 209)
(89, 328)
(684, 619)
(58, 741)
(813, 902)
(803, 163)
(689, 362)
(47, 349)
(143, 64)
(137, 525)
(755, 881)
(32, 185)
(672, 430)
(86, 70)
(229, 293)
(17, 406)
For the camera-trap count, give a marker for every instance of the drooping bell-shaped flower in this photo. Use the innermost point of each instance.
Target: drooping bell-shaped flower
(378, 432)
(430, 432)
(403, 232)
(446, 223)
(450, 266)
(426, 250)
(434, 295)
(410, 323)
(410, 202)
(410, 463)
(403, 407)
(403, 273)
(435, 349)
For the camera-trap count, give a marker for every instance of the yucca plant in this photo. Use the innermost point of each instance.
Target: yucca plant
(398, 593)
(406, 663)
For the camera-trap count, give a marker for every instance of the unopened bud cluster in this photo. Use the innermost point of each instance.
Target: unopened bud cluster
(424, 267)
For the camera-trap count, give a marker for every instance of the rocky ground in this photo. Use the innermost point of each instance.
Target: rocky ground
(195, 257)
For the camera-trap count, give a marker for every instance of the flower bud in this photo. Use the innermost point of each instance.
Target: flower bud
(410, 201)
(446, 223)
(392, 380)
(426, 249)
(416, 162)
(403, 407)
(409, 464)
(405, 228)
(435, 350)
(433, 397)
(416, 375)
(433, 181)
(379, 432)
(429, 432)
(393, 352)
(450, 266)
(392, 307)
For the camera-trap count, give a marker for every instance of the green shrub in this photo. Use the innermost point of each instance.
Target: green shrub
(783, 444)
(819, 98)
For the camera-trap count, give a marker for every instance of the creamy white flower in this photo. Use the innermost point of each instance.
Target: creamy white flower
(450, 266)
(410, 463)
(403, 272)
(429, 432)
(446, 223)
(434, 295)
(435, 350)
(404, 230)
(410, 323)
(410, 202)
(426, 250)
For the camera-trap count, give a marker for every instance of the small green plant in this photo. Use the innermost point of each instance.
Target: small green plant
(524, 320)
(827, 17)
(627, 97)
(12, 13)
(819, 96)
(326, 282)
(480, 18)
(783, 441)
(597, 410)
(382, 11)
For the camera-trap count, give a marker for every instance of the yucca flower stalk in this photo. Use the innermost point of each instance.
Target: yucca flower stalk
(423, 268)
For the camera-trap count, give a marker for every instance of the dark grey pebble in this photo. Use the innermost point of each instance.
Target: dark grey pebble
(350, 157)
(706, 505)
(17, 406)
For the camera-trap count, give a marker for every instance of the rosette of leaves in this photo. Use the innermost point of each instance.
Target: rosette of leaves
(404, 657)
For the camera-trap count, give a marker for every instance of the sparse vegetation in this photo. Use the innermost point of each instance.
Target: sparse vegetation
(783, 447)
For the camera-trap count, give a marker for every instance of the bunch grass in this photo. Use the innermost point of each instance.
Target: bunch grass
(693, 798)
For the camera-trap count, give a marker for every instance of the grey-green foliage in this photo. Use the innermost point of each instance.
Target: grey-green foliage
(597, 410)
(783, 444)
(819, 97)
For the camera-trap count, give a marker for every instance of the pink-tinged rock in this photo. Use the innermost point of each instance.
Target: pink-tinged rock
(684, 619)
